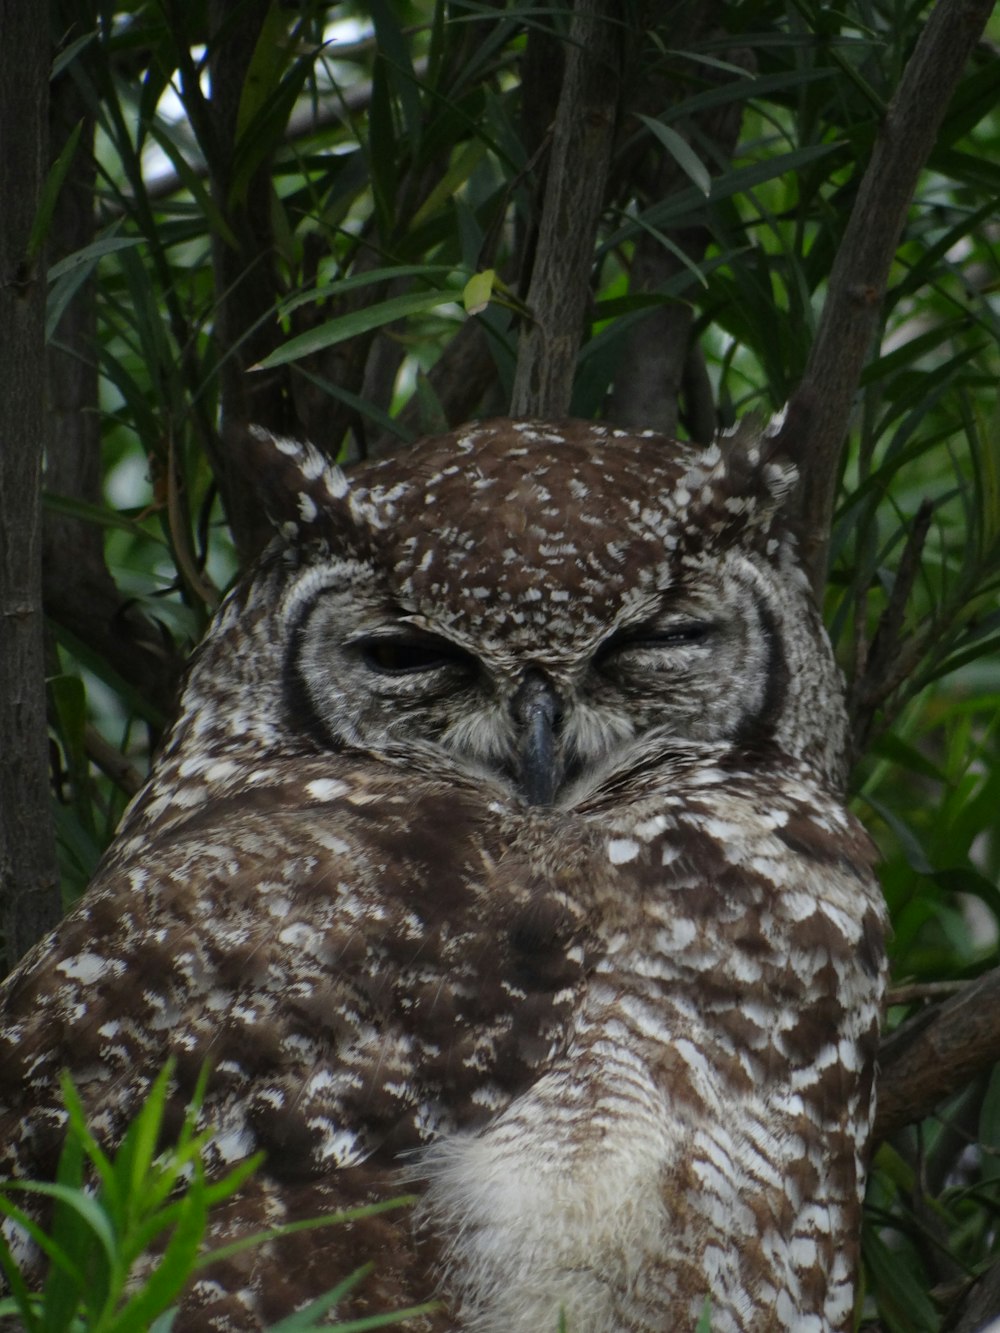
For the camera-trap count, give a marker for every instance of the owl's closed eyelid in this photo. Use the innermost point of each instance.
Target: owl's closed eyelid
(681, 633)
(404, 650)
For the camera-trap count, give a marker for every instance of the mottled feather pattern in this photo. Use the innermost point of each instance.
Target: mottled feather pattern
(620, 1042)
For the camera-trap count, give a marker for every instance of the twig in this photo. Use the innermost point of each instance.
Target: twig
(111, 762)
(923, 990)
(574, 193)
(880, 673)
(860, 272)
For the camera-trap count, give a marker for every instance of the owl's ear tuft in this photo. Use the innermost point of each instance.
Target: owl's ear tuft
(297, 484)
(753, 477)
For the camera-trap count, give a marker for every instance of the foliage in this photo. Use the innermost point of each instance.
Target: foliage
(121, 1254)
(335, 236)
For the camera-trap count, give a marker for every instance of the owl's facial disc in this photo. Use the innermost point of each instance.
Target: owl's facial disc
(549, 719)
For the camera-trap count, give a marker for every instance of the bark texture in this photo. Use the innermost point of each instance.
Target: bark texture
(29, 884)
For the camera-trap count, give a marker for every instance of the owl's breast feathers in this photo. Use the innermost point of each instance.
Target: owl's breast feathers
(564, 999)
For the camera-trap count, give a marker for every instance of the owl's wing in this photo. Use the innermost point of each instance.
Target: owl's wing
(360, 973)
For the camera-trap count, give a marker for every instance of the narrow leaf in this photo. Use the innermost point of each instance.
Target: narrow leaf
(50, 193)
(682, 153)
(358, 321)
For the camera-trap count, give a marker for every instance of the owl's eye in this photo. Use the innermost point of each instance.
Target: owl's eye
(684, 631)
(408, 654)
(676, 634)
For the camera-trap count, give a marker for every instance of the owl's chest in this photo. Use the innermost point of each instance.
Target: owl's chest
(684, 1098)
(591, 1186)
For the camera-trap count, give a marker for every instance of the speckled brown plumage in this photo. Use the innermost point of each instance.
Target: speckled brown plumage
(498, 854)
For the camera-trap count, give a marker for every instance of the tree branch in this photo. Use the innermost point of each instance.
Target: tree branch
(137, 649)
(933, 1055)
(574, 194)
(246, 279)
(78, 591)
(858, 281)
(655, 365)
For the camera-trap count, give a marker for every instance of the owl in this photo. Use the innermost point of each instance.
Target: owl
(497, 855)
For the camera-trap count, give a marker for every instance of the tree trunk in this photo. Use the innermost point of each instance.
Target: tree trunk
(29, 881)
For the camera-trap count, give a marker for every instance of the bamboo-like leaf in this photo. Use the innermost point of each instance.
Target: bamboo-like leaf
(682, 153)
(310, 1224)
(302, 1321)
(172, 1272)
(89, 1210)
(68, 54)
(901, 1303)
(193, 182)
(359, 321)
(50, 193)
(88, 256)
(370, 277)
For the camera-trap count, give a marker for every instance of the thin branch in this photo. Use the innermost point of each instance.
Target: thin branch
(246, 277)
(94, 612)
(112, 763)
(923, 990)
(574, 194)
(937, 1053)
(858, 282)
(880, 672)
(980, 1306)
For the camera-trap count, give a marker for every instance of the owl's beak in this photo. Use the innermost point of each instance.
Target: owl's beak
(537, 711)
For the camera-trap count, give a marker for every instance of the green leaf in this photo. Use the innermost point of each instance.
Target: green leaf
(309, 1224)
(965, 879)
(704, 1324)
(88, 255)
(682, 153)
(68, 54)
(478, 290)
(901, 1301)
(908, 841)
(466, 161)
(193, 182)
(133, 1165)
(394, 54)
(892, 746)
(340, 286)
(21, 1300)
(304, 1320)
(91, 1213)
(54, 179)
(358, 321)
(173, 1271)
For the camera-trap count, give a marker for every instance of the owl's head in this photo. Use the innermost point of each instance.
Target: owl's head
(531, 602)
